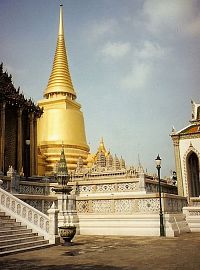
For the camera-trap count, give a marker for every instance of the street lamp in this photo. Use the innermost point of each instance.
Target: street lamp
(158, 166)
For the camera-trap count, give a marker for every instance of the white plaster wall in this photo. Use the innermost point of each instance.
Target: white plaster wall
(130, 225)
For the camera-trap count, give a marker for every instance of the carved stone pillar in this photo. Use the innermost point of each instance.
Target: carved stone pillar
(2, 137)
(53, 225)
(19, 140)
(67, 209)
(178, 165)
(32, 144)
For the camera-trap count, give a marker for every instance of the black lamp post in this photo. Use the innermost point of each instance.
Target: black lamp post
(158, 166)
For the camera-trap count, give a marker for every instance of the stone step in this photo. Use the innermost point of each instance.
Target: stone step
(10, 225)
(20, 246)
(13, 231)
(17, 236)
(12, 242)
(4, 217)
(8, 220)
(18, 250)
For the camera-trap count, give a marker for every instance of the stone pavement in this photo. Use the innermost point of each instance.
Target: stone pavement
(112, 253)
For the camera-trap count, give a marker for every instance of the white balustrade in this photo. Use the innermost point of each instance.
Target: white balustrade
(44, 225)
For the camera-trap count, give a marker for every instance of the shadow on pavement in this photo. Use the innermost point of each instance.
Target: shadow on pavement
(35, 265)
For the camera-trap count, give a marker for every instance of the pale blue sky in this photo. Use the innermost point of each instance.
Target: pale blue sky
(135, 66)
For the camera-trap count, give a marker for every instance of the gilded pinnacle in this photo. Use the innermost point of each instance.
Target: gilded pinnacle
(60, 80)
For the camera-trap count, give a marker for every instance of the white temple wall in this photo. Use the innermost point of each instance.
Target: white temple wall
(130, 215)
(185, 146)
(129, 225)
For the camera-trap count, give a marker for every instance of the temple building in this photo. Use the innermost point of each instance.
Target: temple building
(62, 122)
(18, 129)
(187, 155)
(106, 196)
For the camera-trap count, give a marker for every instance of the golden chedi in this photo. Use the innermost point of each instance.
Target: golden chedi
(62, 122)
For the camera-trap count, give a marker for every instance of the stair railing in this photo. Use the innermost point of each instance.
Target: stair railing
(44, 225)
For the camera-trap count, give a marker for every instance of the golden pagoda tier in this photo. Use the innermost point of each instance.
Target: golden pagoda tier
(62, 122)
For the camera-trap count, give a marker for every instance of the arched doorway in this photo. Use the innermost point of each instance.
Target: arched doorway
(193, 175)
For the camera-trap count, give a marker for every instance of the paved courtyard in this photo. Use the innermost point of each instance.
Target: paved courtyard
(112, 253)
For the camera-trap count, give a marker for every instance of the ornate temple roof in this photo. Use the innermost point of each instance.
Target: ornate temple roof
(60, 79)
(190, 130)
(194, 127)
(13, 96)
(102, 160)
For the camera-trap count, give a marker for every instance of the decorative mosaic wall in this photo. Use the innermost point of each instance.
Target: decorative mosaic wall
(108, 188)
(194, 213)
(174, 205)
(32, 189)
(26, 187)
(153, 187)
(128, 206)
(118, 206)
(194, 209)
(6, 184)
(41, 205)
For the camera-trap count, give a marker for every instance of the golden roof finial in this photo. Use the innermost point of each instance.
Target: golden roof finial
(60, 79)
(61, 26)
(101, 146)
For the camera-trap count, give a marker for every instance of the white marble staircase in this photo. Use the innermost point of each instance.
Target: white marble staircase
(17, 238)
(23, 227)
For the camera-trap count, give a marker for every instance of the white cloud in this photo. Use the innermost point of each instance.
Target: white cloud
(139, 77)
(174, 15)
(116, 49)
(151, 51)
(101, 28)
(146, 61)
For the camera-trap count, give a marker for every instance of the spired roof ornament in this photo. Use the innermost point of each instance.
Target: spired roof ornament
(195, 112)
(62, 172)
(109, 160)
(101, 147)
(122, 163)
(60, 79)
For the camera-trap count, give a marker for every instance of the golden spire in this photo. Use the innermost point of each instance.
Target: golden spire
(102, 147)
(60, 80)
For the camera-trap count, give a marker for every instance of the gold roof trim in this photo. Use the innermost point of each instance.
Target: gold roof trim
(60, 79)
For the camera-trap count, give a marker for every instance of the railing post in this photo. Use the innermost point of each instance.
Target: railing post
(14, 180)
(53, 224)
